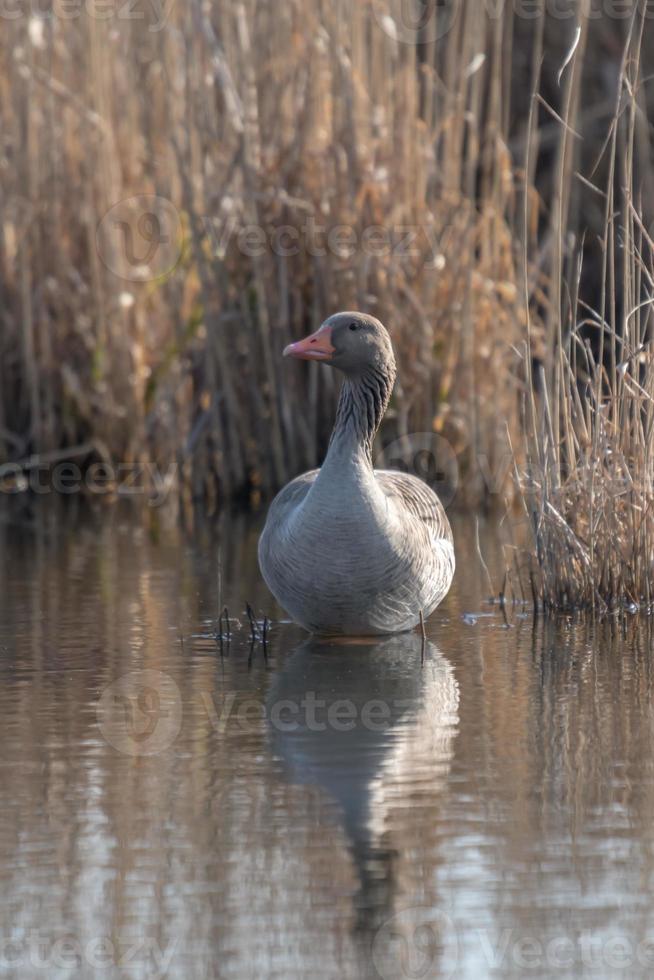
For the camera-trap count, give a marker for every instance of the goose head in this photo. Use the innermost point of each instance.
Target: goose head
(354, 343)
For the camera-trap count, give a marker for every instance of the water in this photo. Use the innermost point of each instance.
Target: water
(482, 807)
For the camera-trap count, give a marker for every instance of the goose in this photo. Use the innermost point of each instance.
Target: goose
(347, 549)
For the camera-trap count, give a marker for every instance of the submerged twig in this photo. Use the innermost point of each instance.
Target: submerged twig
(228, 632)
(491, 590)
(254, 629)
(225, 634)
(264, 637)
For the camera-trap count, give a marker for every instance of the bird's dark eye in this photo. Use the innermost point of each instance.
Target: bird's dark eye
(354, 326)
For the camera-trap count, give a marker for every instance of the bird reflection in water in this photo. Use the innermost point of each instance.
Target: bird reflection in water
(372, 722)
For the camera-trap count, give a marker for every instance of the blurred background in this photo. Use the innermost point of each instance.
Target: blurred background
(185, 187)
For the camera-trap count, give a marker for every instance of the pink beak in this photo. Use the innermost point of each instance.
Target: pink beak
(317, 347)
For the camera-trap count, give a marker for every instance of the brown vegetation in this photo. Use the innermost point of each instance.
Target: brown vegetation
(588, 486)
(252, 116)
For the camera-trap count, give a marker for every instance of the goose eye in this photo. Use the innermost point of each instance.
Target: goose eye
(354, 326)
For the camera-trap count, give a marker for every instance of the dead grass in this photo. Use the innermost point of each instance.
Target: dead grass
(273, 116)
(587, 485)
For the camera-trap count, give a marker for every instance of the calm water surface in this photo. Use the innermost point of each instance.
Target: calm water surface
(482, 807)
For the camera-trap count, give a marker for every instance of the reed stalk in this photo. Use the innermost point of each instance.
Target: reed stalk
(587, 485)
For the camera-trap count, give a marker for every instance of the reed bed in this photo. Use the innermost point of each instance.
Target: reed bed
(304, 158)
(587, 485)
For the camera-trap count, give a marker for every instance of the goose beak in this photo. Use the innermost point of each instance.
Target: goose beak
(317, 347)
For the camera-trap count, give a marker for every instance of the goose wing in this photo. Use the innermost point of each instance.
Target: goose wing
(411, 495)
(290, 497)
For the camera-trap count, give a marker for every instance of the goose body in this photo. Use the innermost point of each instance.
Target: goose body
(347, 549)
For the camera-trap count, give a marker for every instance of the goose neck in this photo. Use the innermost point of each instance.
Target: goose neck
(361, 406)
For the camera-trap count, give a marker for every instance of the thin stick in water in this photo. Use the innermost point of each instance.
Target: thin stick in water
(254, 632)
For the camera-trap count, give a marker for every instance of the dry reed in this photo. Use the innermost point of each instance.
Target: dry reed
(589, 409)
(387, 160)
